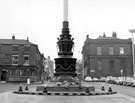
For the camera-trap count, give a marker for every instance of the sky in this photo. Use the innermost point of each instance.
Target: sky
(41, 21)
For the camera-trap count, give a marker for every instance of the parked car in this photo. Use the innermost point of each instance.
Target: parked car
(88, 79)
(128, 83)
(119, 82)
(102, 79)
(133, 83)
(111, 81)
(95, 79)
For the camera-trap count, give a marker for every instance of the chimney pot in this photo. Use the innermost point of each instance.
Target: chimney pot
(87, 36)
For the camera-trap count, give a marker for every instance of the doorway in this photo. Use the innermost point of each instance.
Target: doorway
(3, 75)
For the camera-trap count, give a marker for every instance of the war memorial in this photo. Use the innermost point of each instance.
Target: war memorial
(65, 81)
(65, 86)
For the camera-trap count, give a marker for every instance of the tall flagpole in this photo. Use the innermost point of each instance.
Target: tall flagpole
(65, 11)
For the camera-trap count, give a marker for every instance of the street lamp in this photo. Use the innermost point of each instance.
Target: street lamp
(132, 31)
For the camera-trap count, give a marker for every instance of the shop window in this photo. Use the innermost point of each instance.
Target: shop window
(32, 72)
(23, 72)
(13, 72)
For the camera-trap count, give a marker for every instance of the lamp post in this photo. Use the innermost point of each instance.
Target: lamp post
(28, 76)
(132, 31)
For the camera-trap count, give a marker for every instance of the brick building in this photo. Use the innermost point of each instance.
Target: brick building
(19, 60)
(107, 56)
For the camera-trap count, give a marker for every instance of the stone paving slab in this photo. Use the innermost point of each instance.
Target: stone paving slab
(10, 97)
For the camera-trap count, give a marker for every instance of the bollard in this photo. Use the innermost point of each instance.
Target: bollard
(26, 88)
(110, 89)
(20, 88)
(103, 88)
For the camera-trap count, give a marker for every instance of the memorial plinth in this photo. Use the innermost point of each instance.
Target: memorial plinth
(65, 77)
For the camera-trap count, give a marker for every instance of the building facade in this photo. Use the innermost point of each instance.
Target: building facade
(79, 69)
(107, 56)
(20, 60)
(49, 68)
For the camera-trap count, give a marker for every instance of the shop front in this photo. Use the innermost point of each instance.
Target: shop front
(19, 74)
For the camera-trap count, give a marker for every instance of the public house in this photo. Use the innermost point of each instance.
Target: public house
(19, 60)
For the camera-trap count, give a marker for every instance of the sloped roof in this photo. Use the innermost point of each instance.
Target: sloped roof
(15, 41)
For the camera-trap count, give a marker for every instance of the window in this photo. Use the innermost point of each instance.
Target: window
(111, 64)
(111, 51)
(26, 59)
(32, 72)
(15, 48)
(13, 72)
(26, 47)
(14, 59)
(99, 51)
(121, 50)
(23, 72)
(99, 65)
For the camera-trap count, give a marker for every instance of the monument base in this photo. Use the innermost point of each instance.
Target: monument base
(65, 65)
(65, 87)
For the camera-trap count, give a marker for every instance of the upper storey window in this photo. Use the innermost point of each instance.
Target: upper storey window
(26, 47)
(15, 47)
(99, 52)
(26, 59)
(121, 50)
(111, 52)
(14, 59)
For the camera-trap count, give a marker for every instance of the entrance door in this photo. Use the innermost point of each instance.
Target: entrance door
(3, 75)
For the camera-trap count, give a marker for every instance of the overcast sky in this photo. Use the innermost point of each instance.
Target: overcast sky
(41, 21)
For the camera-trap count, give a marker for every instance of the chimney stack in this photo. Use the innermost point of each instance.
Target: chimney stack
(27, 38)
(114, 35)
(104, 35)
(13, 37)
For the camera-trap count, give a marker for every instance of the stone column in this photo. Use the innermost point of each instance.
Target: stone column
(65, 11)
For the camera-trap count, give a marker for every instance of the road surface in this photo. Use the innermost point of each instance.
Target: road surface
(124, 95)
